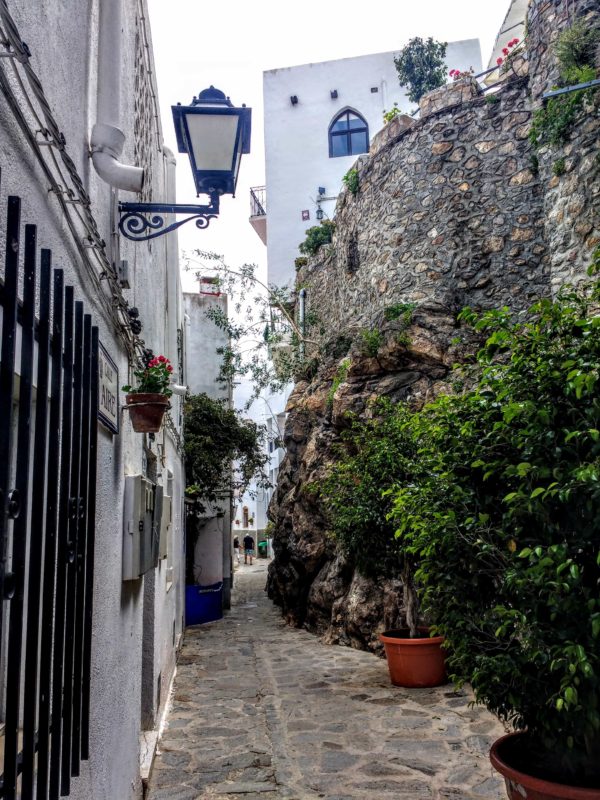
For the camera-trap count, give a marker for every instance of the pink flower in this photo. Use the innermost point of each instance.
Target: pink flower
(498, 61)
(515, 41)
(505, 50)
(169, 368)
(162, 359)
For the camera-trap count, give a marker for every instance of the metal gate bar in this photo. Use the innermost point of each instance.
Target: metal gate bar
(47, 624)
(37, 530)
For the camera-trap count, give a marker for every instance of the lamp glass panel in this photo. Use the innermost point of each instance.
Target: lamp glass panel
(213, 140)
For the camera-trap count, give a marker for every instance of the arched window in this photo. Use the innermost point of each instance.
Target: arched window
(348, 135)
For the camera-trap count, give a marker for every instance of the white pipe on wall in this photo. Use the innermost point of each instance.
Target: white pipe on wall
(107, 138)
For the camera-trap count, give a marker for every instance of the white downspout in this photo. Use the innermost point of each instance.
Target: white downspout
(107, 138)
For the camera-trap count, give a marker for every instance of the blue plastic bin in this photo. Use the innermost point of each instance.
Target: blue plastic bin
(203, 603)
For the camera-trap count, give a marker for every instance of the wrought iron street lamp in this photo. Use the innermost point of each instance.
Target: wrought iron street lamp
(215, 134)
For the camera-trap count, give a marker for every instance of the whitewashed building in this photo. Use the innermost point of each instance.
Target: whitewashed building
(318, 119)
(212, 548)
(93, 589)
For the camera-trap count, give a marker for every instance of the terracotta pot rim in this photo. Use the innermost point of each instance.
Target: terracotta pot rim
(133, 398)
(552, 789)
(386, 638)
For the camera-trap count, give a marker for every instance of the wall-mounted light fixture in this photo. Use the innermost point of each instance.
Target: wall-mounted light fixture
(334, 94)
(294, 99)
(215, 134)
(319, 213)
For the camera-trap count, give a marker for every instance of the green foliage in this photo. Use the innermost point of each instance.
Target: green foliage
(388, 116)
(261, 322)
(576, 46)
(559, 167)
(214, 437)
(491, 99)
(371, 341)
(350, 180)
(553, 123)
(500, 511)
(300, 262)
(400, 310)
(421, 67)
(317, 236)
(340, 377)
(534, 164)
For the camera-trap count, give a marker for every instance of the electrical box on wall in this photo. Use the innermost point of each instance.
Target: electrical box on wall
(163, 547)
(142, 517)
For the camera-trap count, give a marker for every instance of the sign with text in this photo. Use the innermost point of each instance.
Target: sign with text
(108, 391)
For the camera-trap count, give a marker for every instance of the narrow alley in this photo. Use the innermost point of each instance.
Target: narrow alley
(261, 710)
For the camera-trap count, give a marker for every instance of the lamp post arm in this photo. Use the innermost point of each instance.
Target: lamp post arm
(136, 226)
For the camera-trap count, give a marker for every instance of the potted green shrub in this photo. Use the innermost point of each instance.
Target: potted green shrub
(372, 457)
(505, 523)
(148, 401)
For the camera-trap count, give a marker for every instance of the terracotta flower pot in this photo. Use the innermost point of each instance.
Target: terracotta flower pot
(146, 411)
(520, 785)
(414, 662)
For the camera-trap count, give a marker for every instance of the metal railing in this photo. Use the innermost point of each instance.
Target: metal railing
(258, 201)
(47, 519)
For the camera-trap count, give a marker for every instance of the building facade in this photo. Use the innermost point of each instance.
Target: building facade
(318, 119)
(93, 536)
(209, 542)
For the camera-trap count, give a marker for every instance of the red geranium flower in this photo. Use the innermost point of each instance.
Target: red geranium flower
(498, 61)
(505, 50)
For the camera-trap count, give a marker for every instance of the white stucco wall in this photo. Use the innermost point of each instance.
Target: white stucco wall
(297, 158)
(62, 37)
(203, 363)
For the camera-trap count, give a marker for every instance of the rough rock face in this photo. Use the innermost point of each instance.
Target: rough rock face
(451, 211)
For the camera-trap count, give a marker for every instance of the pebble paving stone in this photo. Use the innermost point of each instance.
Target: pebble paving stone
(262, 711)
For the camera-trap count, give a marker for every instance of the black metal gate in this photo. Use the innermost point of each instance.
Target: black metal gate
(48, 439)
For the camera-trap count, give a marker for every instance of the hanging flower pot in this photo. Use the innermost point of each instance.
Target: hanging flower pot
(146, 411)
(148, 401)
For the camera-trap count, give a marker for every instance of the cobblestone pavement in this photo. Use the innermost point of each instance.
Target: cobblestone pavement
(262, 711)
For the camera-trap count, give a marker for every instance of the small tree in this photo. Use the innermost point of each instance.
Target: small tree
(215, 437)
(263, 321)
(420, 67)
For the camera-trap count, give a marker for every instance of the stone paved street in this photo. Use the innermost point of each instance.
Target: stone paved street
(265, 712)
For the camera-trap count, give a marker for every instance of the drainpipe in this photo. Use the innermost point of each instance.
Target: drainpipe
(107, 138)
(301, 319)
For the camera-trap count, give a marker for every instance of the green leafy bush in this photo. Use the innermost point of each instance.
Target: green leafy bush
(340, 377)
(559, 167)
(388, 116)
(575, 51)
(501, 512)
(576, 46)
(371, 341)
(400, 310)
(214, 437)
(350, 180)
(300, 262)
(421, 67)
(317, 236)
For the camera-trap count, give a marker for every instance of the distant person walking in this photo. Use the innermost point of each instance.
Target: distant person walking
(248, 548)
(236, 548)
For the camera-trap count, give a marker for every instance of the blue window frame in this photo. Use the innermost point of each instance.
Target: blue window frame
(348, 135)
